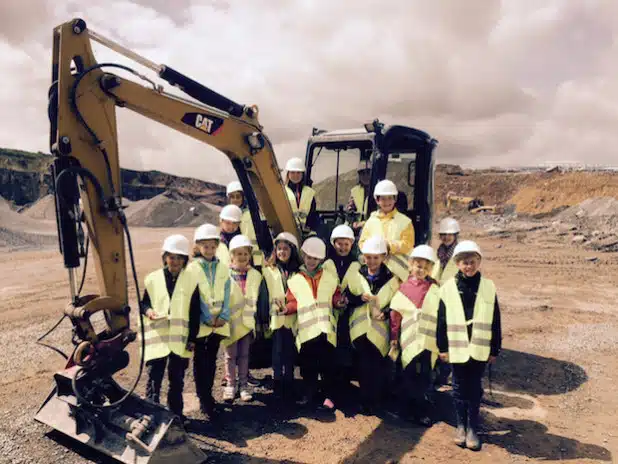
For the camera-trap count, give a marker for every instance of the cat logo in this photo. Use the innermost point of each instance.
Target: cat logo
(206, 123)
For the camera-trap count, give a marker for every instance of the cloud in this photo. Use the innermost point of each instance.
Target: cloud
(500, 83)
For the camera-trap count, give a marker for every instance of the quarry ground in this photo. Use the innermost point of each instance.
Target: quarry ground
(554, 385)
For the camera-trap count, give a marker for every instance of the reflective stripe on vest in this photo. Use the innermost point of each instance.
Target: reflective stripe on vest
(247, 229)
(442, 275)
(243, 307)
(391, 230)
(361, 322)
(274, 282)
(358, 195)
(460, 349)
(170, 334)
(213, 297)
(315, 315)
(301, 211)
(418, 328)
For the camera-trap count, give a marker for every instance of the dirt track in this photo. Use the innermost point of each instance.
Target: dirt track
(554, 385)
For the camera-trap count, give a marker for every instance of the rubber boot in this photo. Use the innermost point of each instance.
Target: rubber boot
(473, 442)
(461, 411)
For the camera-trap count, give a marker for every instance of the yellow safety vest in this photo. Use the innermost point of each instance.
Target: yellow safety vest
(247, 229)
(360, 201)
(391, 231)
(361, 322)
(442, 275)
(315, 315)
(329, 266)
(301, 211)
(243, 307)
(274, 282)
(460, 349)
(213, 297)
(418, 327)
(223, 254)
(171, 334)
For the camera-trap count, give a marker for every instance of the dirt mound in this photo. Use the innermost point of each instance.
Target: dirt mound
(170, 209)
(43, 208)
(560, 190)
(20, 231)
(601, 207)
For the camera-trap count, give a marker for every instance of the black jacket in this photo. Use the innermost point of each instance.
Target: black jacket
(468, 287)
(194, 308)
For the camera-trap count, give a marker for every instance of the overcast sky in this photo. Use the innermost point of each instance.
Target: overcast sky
(498, 83)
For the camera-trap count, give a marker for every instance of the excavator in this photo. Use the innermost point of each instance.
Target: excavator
(475, 205)
(86, 403)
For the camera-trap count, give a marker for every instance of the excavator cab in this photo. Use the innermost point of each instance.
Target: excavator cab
(402, 154)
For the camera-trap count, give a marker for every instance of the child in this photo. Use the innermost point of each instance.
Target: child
(469, 336)
(236, 197)
(395, 227)
(301, 196)
(359, 195)
(415, 309)
(449, 233)
(371, 290)
(229, 221)
(170, 298)
(312, 294)
(343, 262)
(246, 287)
(213, 278)
(284, 263)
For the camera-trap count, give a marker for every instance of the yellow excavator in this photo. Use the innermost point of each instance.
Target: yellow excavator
(475, 205)
(86, 403)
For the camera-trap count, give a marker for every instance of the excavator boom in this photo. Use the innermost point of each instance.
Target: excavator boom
(86, 403)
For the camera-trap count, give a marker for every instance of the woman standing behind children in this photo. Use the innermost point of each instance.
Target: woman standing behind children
(301, 196)
(312, 294)
(169, 301)
(469, 336)
(371, 291)
(285, 263)
(246, 286)
(414, 313)
(213, 279)
(395, 227)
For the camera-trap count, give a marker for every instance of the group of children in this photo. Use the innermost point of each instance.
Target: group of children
(337, 315)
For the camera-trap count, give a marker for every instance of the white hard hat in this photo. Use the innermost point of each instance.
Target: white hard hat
(341, 231)
(449, 226)
(288, 237)
(176, 244)
(467, 246)
(239, 241)
(425, 252)
(206, 232)
(233, 186)
(385, 187)
(314, 247)
(231, 213)
(375, 245)
(295, 165)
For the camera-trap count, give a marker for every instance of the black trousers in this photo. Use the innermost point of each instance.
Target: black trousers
(204, 367)
(316, 360)
(371, 371)
(284, 354)
(416, 380)
(468, 391)
(176, 367)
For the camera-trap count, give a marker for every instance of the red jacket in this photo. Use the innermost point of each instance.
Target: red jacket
(291, 305)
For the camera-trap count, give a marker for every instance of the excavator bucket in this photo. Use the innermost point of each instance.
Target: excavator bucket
(137, 432)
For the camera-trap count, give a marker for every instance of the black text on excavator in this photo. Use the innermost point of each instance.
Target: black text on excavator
(86, 403)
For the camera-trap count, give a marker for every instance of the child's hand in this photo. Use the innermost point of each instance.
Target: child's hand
(368, 297)
(218, 322)
(150, 314)
(492, 359)
(280, 303)
(190, 346)
(394, 344)
(443, 357)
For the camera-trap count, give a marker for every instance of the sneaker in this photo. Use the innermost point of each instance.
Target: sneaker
(245, 394)
(229, 393)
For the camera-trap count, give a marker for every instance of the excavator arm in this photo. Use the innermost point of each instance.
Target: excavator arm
(82, 109)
